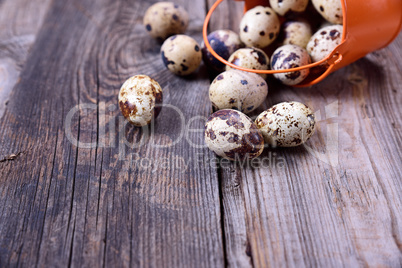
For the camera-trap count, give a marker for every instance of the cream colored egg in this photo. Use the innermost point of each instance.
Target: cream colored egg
(232, 135)
(288, 57)
(286, 124)
(324, 41)
(181, 54)
(283, 7)
(140, 98)
(296, 33)
(331, 10)
(251, 58)
(238, 90)
(259, 27)
(164, 19)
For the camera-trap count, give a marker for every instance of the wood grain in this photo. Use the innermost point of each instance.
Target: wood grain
(18, 29)
(292, 209)
(153, 198)
(63, 205)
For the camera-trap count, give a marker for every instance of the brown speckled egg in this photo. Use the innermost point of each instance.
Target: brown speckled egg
(287, 57)
(232, 135)
(250, 57)
(296, 33)
(164, 19)
(331, 10)
(324, 41)
(238, 90)
(259, 27)
(283, 7)
(181, 54)
(138, 97)
(224, 43)
(286, 124)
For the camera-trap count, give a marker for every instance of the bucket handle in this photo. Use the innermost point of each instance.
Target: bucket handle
(332, 59)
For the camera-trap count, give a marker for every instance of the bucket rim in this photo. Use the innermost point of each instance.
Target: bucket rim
(331, 59)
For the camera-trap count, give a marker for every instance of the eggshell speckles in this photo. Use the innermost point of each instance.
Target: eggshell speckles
(296, 33)
(138, 97)
(287, 57)
(232, 135)
(259, 27)
(331, 10)
(164, 19)
(223, 42)
(252, 58)
(181, 54)
(282, 7)
(286, 124)
(238, 90)
(324, 42)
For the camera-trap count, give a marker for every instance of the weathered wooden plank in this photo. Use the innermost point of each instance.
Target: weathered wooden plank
(293, 208)
(61, 204)
(20, 20)
(237, 246)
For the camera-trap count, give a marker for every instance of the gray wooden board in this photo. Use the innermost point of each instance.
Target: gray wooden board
(337, 201)
(62, 205)
(164, 202)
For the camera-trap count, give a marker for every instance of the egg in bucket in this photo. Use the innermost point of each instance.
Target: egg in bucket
(368, 25)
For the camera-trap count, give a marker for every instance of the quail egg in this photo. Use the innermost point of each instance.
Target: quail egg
(282, 7)
(140, 98)
(164, 19)
(181, 54)
(252, 58)
(259, 27)
(296, 33)
(287, 57)
(224, 43)
(238, 90)
(232, 135)
(286, 124)
(331, 10)
(324, 42)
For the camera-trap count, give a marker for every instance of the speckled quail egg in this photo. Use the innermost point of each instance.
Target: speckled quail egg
(331, 10)
(164, 19)
(238, 90)
(224, 43)
(259, 27)
(181, 54)
(282, 7)
(296, 33)
(232, 135)
(287, 57)
(286, 124)
(250, 57)
(140, 98)
(324, 42)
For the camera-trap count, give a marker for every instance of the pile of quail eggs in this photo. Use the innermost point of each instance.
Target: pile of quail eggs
(282, 31)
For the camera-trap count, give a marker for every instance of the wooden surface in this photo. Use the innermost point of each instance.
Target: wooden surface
(66, 205)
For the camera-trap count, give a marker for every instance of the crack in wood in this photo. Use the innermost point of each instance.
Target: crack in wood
(306, 214)
(11, 157)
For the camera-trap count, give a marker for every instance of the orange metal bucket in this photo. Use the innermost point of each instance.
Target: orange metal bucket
(368, 25)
